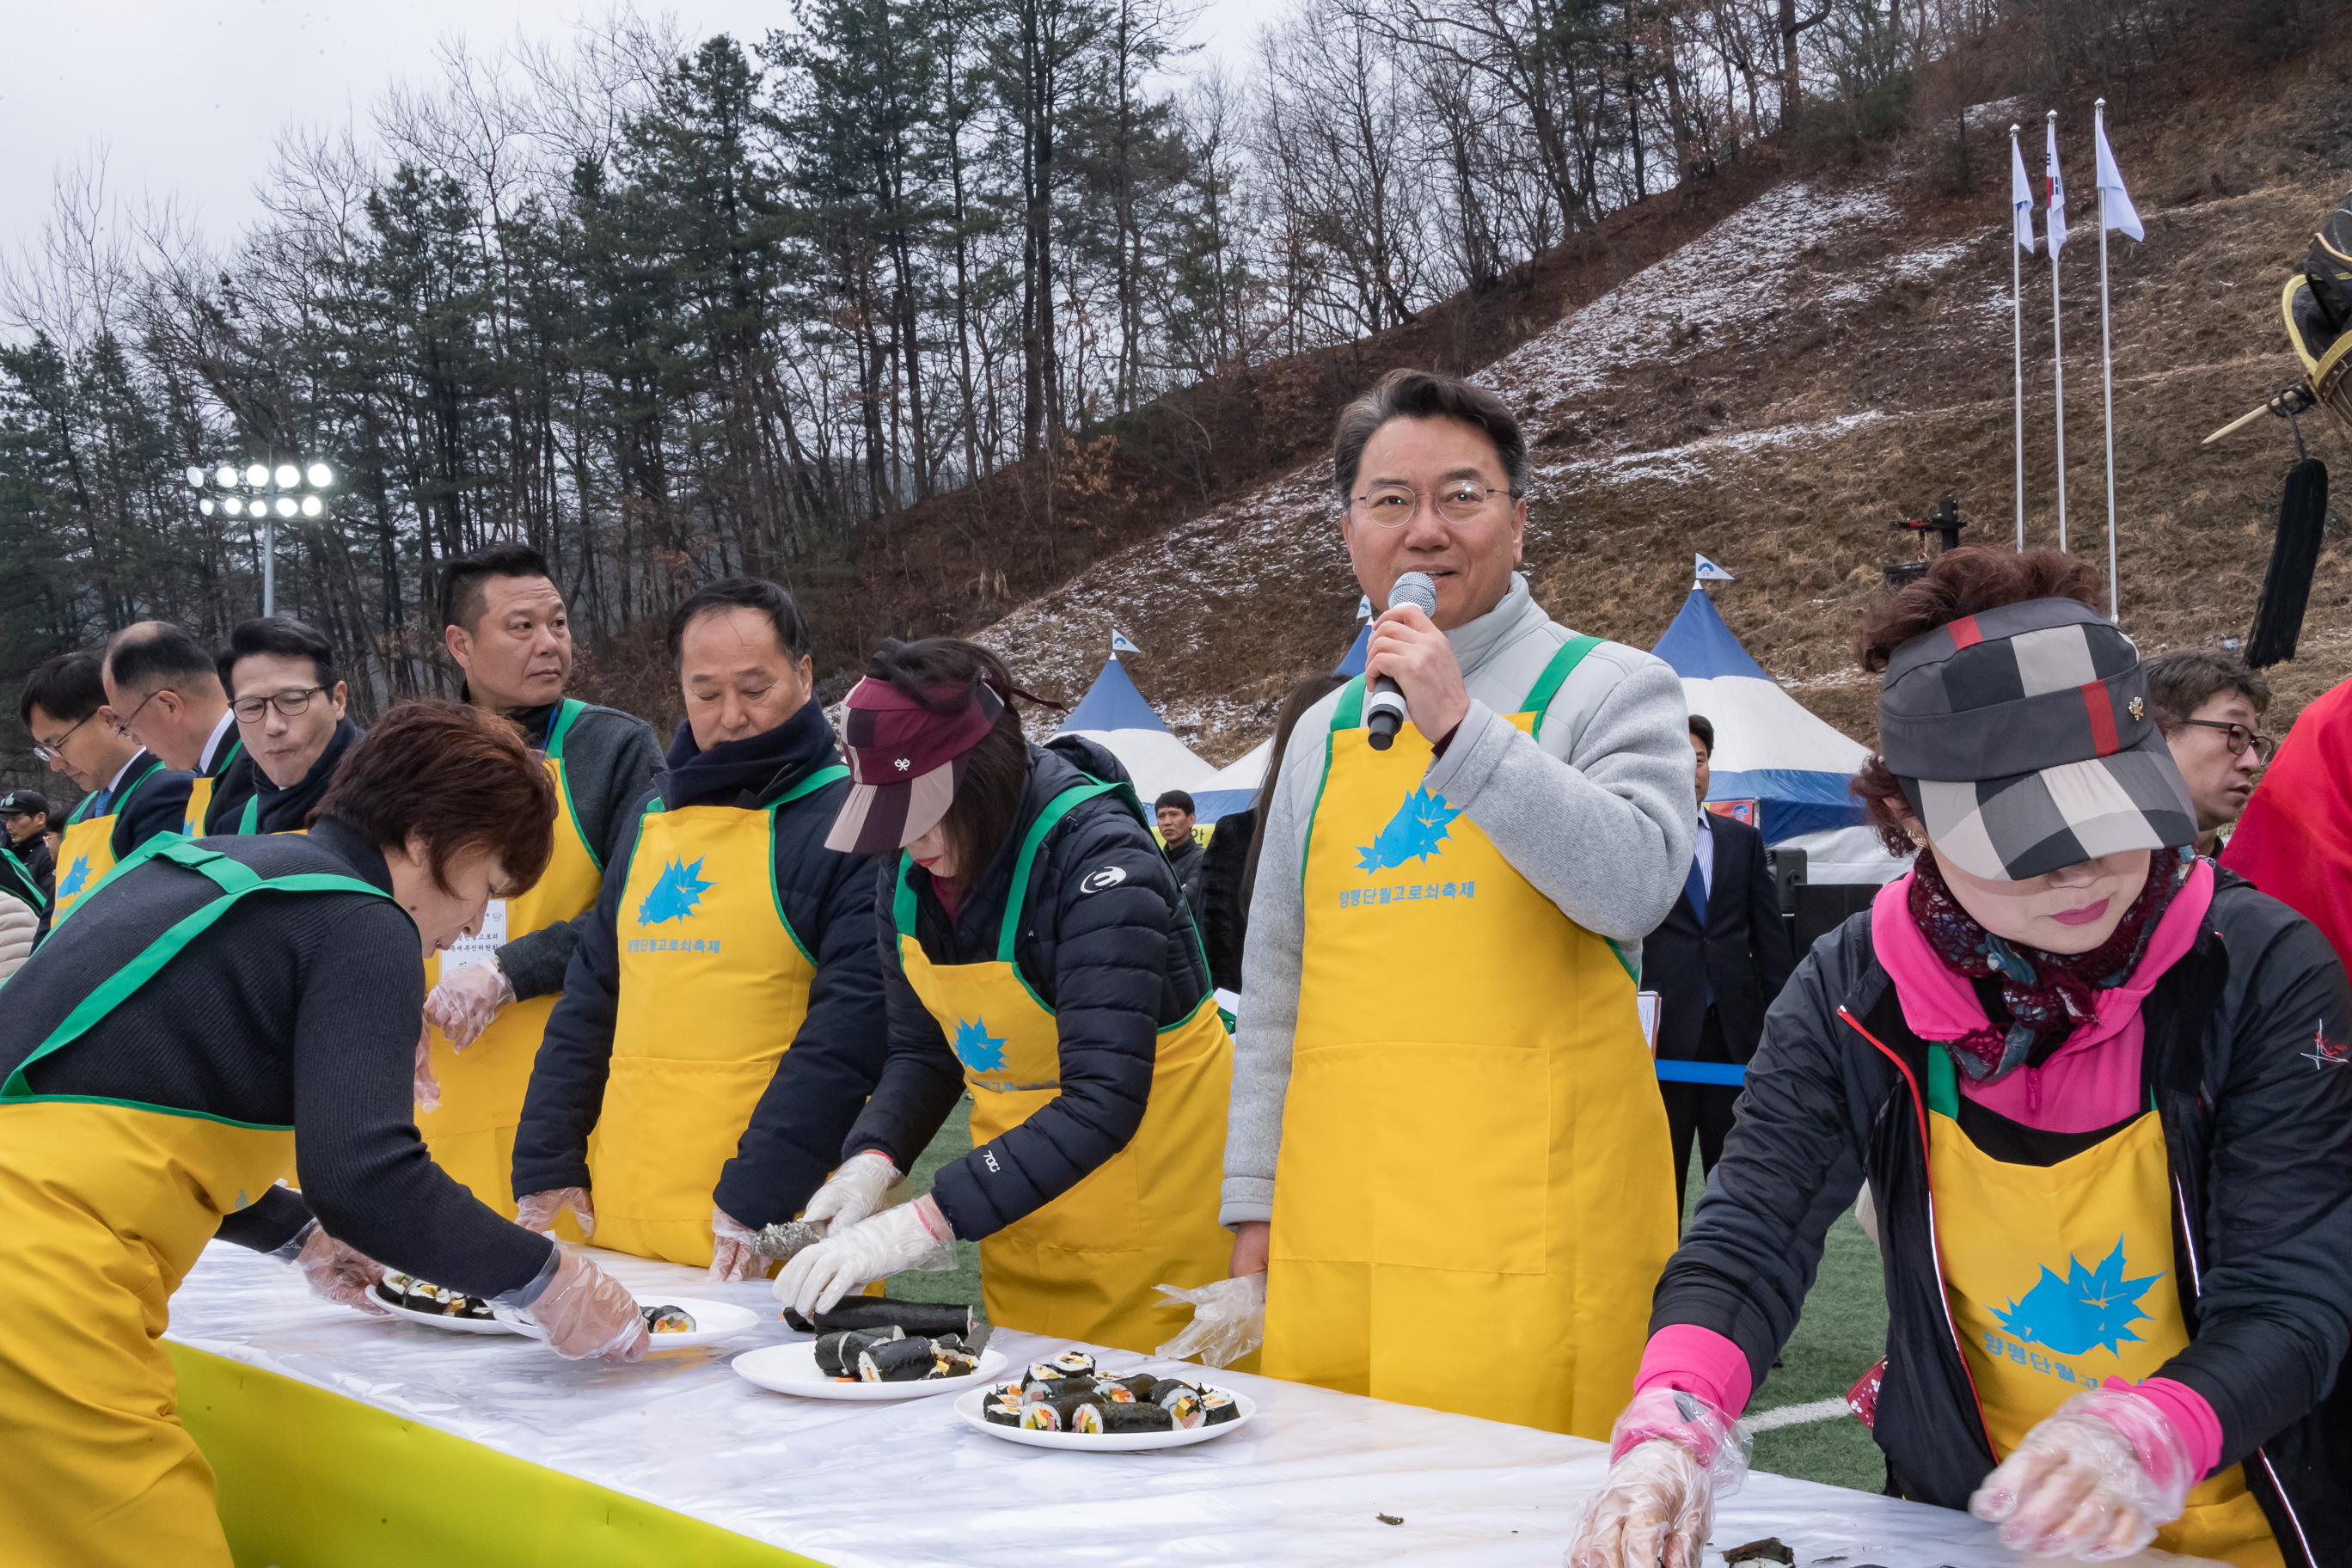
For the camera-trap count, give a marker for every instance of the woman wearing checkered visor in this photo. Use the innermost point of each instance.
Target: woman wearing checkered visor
(2099, 1090)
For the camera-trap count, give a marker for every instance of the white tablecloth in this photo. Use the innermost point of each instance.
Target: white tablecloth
(898, 1485)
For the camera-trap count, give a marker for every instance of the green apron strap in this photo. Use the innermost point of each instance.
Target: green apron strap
(18, 869)
(115, 805)
(236, 881)
(228, 757)
(250, 822)
(559, 724)
(1943, 1085)
(1555, 675)
(811, 784)
(1056, 809)
(1350, 709)
(902, 902)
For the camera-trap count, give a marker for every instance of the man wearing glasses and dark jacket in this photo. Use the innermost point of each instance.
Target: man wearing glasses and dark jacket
(289, 702)
(2209, 706)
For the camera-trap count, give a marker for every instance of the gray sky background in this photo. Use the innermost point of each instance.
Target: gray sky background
(188, 96)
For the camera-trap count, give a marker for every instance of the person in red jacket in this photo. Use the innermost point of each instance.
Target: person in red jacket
(2294, 841)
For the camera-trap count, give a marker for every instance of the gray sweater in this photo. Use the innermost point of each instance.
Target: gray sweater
(1595, 812)
(609, 759)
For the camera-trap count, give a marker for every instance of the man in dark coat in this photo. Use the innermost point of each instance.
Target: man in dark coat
(1716, 962)
(1175, 814)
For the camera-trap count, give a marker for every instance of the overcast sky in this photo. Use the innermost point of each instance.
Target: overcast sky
(187, 96)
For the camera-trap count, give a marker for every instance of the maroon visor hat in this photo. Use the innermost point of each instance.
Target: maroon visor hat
(905, 762)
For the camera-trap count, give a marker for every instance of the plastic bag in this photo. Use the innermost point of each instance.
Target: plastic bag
(1228, 1320)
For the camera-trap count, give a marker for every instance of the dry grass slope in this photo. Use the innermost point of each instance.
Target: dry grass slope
(1776, 390)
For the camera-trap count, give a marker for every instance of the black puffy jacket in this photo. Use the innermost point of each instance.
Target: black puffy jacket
(786, 1150)
(1116, 963)
(2243, 1055)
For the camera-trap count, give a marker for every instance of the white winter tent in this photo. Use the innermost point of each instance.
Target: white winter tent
(1772, 749)
(1115, 716)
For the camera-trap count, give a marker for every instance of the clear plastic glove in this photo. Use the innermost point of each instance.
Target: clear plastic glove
(335, 1272)
(734, 1253)
(426, 1089)
(1670, 1455)
(853, 1191)
(871, 1250)
(2092, 1482)
(464, 1002)
(1228, 1320)
(585, 1313)
(538, 1211)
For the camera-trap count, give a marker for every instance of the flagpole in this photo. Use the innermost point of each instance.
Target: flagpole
(2058, 371)
(2107, 379)
(2017, 339)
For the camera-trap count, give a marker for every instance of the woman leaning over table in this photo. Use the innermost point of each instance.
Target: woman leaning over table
(163, 1050)
(2099, 1090)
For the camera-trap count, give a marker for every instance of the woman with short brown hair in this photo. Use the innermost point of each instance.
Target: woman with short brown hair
(2097, 1090)
(161, 1053)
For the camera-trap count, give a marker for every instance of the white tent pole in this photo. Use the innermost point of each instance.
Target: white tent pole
(2108, 380)
(2058, 373)
(2017, 343)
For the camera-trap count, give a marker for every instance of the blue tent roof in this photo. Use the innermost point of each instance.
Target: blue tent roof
(1112, 702)
(1769, 748)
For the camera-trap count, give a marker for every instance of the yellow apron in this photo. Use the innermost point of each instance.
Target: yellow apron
(1083, 1267)
(107, 1205)
(2061, 1277)
(86, 848)
(1473, 1140)
(472, 1135)
(714, 983)
(200, 793)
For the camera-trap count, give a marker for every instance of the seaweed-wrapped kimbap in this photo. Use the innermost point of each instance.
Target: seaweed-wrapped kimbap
(1217, 1407)
(836, 1353)
(915, 1319)
(669, 1321)
(1073, 1363)
(1119, 1420)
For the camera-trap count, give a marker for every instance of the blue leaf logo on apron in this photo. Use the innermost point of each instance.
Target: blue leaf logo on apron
(2089, 1307)
(1417, 831)
(75, 875)
(976, 1048)
(676, 894)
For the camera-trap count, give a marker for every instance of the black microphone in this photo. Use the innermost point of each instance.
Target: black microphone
(1385, 712)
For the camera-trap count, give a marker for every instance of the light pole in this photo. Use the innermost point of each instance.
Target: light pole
(286, 490)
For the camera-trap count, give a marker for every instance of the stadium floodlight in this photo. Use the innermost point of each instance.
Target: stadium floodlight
(205, 506)
(286, 506)
(195, 478)
(234, 506)
(288, 476)
(263, 492)
(320, 476)
(226, 477)
(312, 506)
(257, 475)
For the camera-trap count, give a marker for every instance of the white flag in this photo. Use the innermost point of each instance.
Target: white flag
(1364, 607)
(2057, 220)
(2121, 214)
(2020, 197)
(1708, 572)
(1119, 643)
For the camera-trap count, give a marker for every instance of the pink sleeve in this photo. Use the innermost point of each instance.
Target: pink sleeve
(1702, 1361)
(2182, 1405)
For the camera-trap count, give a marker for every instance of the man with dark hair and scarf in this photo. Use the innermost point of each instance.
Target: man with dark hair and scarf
(721, 1023)
(2099, 1090)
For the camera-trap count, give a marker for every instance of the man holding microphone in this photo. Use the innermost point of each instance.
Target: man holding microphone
(1443, 1109)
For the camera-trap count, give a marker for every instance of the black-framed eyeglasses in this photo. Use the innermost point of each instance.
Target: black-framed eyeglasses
(2237, 737)
(54, 751)
(292, 704)
(1455, 500)
(122, 726)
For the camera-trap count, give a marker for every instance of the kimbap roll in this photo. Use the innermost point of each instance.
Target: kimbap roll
(1217, 1407)
(1120, 1419)
(669, 1321)
(1041, 1415)
(1003, 1412)
(1087, 1418)
(953, 1363)
(836, 1355)
(898, 1360)
(1073, 1363)
(924, 1318)
(1138, 1387)
(1183, 1407)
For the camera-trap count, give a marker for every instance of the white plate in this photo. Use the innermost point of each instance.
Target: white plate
(434, 1320)
(1105, 1443)
(713, 1322)
(792, 1368)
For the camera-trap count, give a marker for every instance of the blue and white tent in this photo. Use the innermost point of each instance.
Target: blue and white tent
(1768, 747)
(1115, 716)
(1352, 662)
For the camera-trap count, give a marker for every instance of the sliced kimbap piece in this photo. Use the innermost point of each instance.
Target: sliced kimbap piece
(1043, 1374)
(1164, 1386)
(1217, 1407)
(953, 1363)
(1073, 1363)
(1041, 1415)
(1183, 1407)
(1087, 1416)
(1004, 1411)
(669, 1321)
(1139, 1386)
